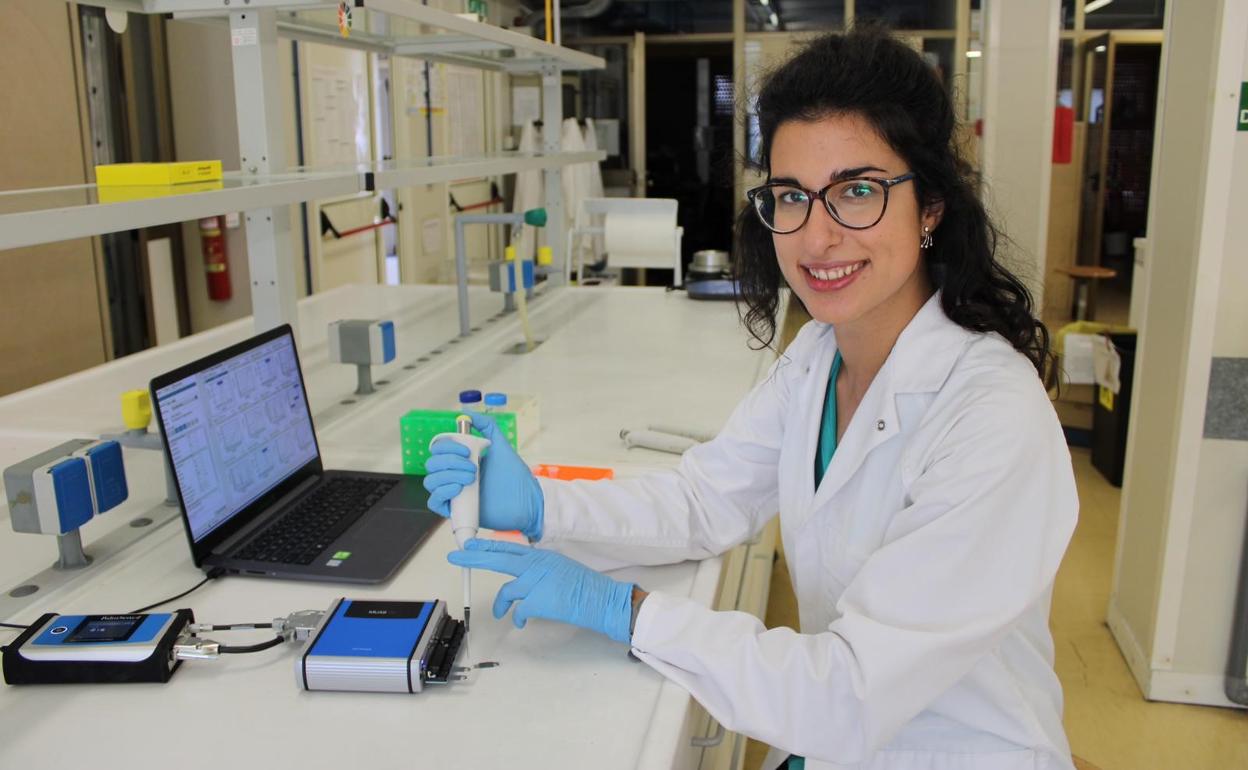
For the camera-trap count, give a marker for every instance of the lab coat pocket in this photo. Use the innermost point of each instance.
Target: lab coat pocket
(838, 561)
(866, 522)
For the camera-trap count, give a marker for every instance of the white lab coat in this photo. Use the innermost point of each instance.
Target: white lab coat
(923, 565)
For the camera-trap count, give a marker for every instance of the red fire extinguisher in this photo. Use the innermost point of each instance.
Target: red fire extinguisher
(216, 264)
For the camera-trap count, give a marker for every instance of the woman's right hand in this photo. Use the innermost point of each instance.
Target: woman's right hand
(511, 498)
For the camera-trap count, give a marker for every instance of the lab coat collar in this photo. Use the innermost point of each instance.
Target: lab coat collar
(920, 362)
(923, 354)
(926, 350)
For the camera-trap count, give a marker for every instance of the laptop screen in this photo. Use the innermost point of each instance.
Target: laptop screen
(236, 430)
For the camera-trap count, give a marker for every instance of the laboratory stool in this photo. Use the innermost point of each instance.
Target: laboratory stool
(1083, 275)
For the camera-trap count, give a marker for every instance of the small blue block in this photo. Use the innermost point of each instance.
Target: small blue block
(387, 341)
(526, 275)
(73, 493)
(108, 472)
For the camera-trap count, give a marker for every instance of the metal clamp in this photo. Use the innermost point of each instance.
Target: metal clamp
(194, 648)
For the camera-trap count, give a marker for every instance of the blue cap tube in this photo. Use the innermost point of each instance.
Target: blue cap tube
(496, 399)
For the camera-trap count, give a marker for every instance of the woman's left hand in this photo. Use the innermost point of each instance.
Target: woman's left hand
(552, 586)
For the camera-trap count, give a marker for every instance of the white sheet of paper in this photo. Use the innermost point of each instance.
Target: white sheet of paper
(466, 137)
(431, 236)
(1107, 364)
(526, 104)
(1078, 364)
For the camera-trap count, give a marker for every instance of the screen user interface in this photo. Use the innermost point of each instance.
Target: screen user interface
(105, 628)
(235, 431)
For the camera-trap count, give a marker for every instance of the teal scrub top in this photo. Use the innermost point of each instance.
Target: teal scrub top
(827, 429)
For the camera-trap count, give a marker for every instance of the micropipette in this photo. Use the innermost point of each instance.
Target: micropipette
(466, 506)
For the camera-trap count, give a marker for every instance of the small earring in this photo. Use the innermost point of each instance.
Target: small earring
(926, 242)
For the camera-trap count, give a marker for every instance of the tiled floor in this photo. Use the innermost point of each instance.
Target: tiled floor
(1108, 721)
(1110, 725)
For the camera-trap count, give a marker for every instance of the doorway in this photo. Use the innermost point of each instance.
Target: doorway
(689, 139)
(1119, 103)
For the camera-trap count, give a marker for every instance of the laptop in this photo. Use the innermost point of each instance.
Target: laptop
(255, 497)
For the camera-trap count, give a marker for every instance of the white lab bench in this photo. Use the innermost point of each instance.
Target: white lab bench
(561, 697)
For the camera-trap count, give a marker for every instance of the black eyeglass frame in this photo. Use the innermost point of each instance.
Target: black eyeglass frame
(822, 194)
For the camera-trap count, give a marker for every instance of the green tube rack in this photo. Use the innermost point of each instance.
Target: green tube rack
(418, 427)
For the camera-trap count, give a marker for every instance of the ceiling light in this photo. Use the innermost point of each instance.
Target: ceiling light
(1096, 5)
(775, 20)
(974, 54)
(764, 2)
(1100, 49)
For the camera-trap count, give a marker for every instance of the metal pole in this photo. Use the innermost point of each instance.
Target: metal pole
(364, 380)
(739, 77)
(262, 150)
(552, 144)
(69, 549)
(461, 276)
(1236, 683)
(461, 258)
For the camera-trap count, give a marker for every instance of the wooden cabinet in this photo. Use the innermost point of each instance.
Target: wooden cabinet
(50, 298)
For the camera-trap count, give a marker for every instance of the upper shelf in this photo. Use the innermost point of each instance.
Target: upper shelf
(398, 27)
(409, 173)
(45, 215)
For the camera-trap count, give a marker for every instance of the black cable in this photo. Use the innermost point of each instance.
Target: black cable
(236, 627)
(5, 648)
(213, 574)
(224, 650)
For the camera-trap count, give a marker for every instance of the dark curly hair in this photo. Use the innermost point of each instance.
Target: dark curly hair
(869, 73)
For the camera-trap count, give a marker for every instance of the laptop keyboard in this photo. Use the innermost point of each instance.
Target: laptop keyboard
(307, 529)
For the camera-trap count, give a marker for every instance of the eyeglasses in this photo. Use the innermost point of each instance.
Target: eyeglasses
(856, 203)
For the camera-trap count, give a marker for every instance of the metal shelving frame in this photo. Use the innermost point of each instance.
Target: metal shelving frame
(409, 173)
(48, 214)
(264, 189)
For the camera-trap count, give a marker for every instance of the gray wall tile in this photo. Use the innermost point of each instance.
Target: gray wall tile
(1226, 412)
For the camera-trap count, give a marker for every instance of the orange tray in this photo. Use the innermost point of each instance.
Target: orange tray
(573, 472)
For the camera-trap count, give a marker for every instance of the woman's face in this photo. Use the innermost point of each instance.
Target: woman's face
(849, 277)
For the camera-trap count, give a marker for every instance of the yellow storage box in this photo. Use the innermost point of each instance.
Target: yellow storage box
(152, 174)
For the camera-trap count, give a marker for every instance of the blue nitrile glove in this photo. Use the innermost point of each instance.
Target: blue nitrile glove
(552, 586)
(511, 498)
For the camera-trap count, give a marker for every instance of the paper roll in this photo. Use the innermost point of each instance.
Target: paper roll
(640, 239)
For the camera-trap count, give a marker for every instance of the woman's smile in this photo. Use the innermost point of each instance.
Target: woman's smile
(833, 277)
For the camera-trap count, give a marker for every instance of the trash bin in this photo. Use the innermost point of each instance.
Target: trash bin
(1111, 412)
(1076, 387)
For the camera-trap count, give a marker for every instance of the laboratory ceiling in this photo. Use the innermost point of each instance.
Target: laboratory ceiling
(624, 17)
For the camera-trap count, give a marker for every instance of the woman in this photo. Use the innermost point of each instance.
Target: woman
(923, 485)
